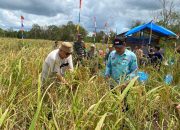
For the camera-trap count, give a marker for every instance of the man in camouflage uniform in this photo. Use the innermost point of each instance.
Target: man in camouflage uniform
(79, 49)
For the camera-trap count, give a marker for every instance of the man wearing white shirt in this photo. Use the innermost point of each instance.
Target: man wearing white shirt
(57, 62)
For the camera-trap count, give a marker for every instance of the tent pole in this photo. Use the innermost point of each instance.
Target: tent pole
(140, 37)
(150, 36)
(143, 36)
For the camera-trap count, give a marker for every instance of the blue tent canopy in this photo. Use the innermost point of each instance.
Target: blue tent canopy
(159, 30)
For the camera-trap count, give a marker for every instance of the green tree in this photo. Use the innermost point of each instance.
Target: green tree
(2, 33)
(101, 36)
(111, 36)
(136, 23)
(35, 31)
(53, 32)
(70, 31)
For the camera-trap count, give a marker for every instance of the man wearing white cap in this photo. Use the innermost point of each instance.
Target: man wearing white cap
(57, 62)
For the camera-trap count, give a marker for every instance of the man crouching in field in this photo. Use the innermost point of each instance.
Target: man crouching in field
(57, 62)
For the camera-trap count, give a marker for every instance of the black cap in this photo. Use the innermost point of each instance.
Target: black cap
(118, 42)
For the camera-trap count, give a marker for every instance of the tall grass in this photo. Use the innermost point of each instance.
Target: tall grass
(24, 104)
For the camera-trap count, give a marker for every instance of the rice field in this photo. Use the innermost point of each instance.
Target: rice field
(24, 104)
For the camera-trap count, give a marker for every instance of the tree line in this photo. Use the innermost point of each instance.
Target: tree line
(66, 32)
(51, 32)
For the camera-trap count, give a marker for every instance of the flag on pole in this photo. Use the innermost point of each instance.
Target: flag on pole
(106, 24)
(80, 3)
(22, 18)
(79, 20)
(116, 33)
(79, 17)
(22, 26)
(95, 22)
(78, 28)
(95, 26)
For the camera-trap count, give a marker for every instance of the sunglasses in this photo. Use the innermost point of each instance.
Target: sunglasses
(66, 53)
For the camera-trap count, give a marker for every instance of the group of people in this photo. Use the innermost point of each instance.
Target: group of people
(119, 61)
(60, 59)
(149, 54)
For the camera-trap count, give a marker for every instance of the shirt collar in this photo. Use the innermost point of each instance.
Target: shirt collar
(125, 53)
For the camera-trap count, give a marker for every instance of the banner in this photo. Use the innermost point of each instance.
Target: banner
(22, 26)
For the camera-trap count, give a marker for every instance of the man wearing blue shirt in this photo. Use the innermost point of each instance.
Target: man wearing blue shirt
(122, 63)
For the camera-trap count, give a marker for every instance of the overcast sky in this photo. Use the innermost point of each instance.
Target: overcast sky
(117, 13)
